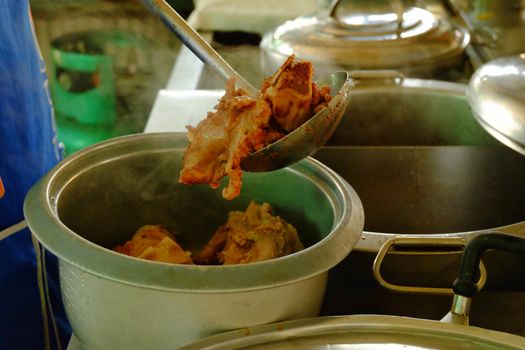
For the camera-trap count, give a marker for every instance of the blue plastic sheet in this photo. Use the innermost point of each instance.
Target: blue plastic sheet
(28, 150)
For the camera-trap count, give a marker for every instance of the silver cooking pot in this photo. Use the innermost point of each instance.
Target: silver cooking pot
(97, 198)
(387, 332)
(430, 178)
(362, 35)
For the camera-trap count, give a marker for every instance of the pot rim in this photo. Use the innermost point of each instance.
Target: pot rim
(373, 241)
(43, 221)
(398, 328)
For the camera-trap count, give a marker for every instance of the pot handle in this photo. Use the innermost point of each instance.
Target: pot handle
(465, 286)
(431, 244)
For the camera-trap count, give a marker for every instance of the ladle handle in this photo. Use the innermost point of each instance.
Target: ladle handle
(465, 284)
(196, 43)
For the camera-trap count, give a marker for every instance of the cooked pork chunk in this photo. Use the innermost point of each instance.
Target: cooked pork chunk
(219, 142)
(250, 236)
(155, 242)
(289, 93)
(243, 124)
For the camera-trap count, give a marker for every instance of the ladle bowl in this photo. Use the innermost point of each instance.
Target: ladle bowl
(295, 146)
(309, 136)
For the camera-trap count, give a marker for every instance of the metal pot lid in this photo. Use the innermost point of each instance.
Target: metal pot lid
(371, 332)
(369, 40)
(496, 94)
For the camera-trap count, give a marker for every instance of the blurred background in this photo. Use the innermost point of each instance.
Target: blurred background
(108, 59)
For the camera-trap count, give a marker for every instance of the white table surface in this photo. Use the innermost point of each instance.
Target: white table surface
(173, 110)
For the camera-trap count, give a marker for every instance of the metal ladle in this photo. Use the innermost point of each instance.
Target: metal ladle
(294, 146)
(496, 94)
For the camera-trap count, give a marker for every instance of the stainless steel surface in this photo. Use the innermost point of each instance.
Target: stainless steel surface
(363, 332)
(496, 94)
(423, 166)
(432, 189)
(419, 158)
(355, 332)
(98, 197)
(196, 43)
(309, 136)
(372, 39)
(460, 311)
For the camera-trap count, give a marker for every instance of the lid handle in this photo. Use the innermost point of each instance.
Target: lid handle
(396, 5)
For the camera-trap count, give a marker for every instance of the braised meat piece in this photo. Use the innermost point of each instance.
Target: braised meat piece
(155, 242)
(250, 236)
(243, 124)
(289, 93)
(219, 142)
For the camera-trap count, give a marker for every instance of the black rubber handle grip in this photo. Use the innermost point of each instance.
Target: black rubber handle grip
(468, 276)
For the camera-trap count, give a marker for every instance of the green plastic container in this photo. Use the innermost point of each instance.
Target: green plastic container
(83, 83)
(86, 67)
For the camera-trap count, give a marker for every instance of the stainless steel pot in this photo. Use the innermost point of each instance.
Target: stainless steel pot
(430, 179)
(366, 35)
(386, 332)
(367, 332)
(98, 197)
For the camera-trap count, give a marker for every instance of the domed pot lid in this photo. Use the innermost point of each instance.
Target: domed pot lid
(496, 94)
(370, 39)
(371, 332)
